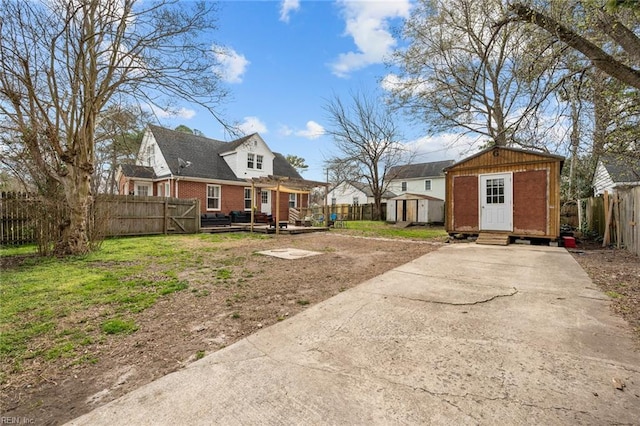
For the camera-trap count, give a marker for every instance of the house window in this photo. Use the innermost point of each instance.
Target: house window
(247, 198)
(259, 162)
(427, 185)
(167, 189)
(334, 201)
(264, 196)
(213, 197)
(404, 186)
(495, 191)
(250, 158)
(160, 190)
(292, 201)
(356, 201)
(142, 190)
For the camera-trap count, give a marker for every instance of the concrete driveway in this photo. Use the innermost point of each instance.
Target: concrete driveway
(468, 334)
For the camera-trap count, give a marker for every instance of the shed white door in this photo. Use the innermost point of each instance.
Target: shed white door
(496, 205)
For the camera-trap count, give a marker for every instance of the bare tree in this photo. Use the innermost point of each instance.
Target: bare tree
(63, 63)
(458, 72)
(602, 51)
(367, 139)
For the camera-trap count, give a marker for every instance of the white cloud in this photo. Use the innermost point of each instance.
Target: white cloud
(183, 113)
(285, 130)
(445, 146)
(252, 125)
(312, 131)
(393, 83)
(367, 22)
(286, 7)
(232, 65)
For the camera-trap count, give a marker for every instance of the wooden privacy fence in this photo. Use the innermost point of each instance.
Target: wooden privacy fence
(345, 211)
(22, 216)
(622, 219)
(135, 215)
(615, 217)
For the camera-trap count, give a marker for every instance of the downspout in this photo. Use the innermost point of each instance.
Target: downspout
(253, 205)
(277, 221)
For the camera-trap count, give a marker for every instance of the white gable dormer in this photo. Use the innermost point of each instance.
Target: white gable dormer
(253, 158)
(150, 155)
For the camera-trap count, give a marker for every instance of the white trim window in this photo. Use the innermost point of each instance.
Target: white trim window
(427, 185)
(250, 160)
(264, 197)
(259, 159)
(403, 185)
(247, 198)
(293, 201)
(144, 189)
(356, 201)
(213, 197)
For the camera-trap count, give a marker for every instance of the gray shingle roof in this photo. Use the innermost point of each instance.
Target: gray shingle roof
(367, 190)
(621, 168)
(142, 172)
(203, 155)
(419, 170)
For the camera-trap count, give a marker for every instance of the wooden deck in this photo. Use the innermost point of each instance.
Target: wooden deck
(263, 229)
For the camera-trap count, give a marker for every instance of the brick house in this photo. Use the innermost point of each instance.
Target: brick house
(224, 176)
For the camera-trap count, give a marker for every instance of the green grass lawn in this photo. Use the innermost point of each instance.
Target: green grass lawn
(371, 228)
(52, 308)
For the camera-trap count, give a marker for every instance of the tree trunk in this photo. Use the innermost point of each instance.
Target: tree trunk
(575, 143)
(75, 230)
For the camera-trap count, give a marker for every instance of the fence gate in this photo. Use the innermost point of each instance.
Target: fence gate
(135, 215)
(182, 218)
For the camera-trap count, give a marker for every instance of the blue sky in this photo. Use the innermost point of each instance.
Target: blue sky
(284, 59)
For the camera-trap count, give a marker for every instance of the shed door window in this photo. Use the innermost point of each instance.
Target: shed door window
(495, 191)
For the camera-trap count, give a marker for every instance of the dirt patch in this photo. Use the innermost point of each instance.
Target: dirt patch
(617, 273)
(232, 294)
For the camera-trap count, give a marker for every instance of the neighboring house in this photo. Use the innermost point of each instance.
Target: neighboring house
(512, 191)
(422, 178)
(354, 193)
(615, 170)
(220, 174)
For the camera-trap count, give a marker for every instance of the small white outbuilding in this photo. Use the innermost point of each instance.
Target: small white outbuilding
(415, 208)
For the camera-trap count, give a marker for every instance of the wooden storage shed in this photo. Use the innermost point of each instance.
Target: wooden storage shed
(506, 192)
(415, 208)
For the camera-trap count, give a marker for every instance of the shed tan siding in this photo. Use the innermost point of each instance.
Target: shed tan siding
(536, 191)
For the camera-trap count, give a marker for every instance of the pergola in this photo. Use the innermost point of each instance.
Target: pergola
(281, 184)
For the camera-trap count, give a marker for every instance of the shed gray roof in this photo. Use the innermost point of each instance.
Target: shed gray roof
(621, 168)
(410, 171)
(203, 155)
